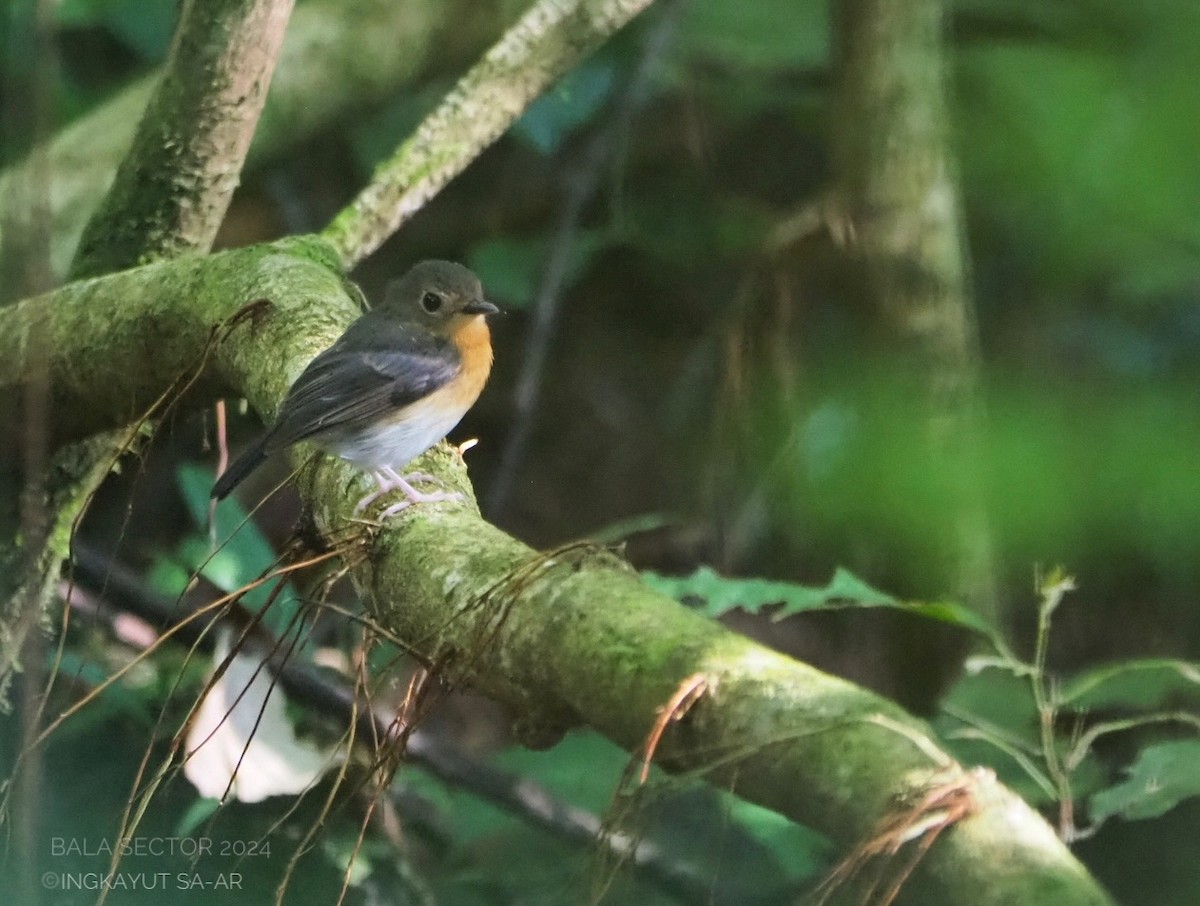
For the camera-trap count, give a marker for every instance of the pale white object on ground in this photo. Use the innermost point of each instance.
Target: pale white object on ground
(246, 746)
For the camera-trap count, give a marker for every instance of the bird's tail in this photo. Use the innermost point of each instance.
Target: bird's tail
(240, 468)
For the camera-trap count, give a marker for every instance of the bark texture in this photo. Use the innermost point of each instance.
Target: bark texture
(172, 189)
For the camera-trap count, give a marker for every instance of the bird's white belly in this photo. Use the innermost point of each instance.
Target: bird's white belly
(397, 443)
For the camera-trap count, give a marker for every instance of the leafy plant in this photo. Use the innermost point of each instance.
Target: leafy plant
(1041, 732)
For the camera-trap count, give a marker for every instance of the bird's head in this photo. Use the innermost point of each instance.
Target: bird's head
(440, 296)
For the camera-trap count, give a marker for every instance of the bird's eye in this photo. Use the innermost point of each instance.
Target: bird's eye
(431, 302)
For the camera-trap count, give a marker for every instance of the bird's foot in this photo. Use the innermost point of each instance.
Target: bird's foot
(415, 496)
(387, 480)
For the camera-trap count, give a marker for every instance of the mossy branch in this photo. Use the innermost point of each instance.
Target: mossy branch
(99, 331)
(545, 43)
(173, 187)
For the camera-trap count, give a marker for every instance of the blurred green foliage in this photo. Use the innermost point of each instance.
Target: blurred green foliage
(511, 266)
(144, 27)
(1078, 141)
(1085, 468)
(573, 102)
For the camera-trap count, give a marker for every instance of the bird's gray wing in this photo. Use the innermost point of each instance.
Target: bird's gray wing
(375, 369)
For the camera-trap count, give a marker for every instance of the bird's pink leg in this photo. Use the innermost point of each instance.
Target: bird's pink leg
(387, 480)
(382, 486)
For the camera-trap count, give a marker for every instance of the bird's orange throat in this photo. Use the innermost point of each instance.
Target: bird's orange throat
(474, 342)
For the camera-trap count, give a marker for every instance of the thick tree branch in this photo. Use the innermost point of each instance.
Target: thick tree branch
(173, 187)
(574, 636)
(547, 41)
(292, 295)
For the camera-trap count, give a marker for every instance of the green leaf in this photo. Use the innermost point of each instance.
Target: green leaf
(583, 769)
(131, 699)
(721, 594)
(1163, 776)
(1144, 684)
(168, 576)
(998, 701)
(801, 852)
(509, 268)
(242, 552)
(195, 815)
(847, 587)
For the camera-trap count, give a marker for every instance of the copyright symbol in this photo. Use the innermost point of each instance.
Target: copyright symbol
(50, 880)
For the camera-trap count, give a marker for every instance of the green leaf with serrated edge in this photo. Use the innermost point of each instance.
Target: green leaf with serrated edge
(1144, 683)
(845, 586)
(1163, 776)
(952, 613)
(722, 594)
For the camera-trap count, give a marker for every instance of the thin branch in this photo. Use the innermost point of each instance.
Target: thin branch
(173, 187)
(545, 43)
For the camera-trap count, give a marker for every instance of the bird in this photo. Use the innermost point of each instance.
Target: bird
(394, 384)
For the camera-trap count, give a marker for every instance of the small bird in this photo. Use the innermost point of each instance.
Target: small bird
(391, 386)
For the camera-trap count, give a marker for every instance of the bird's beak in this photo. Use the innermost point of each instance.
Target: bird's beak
(480, 307)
